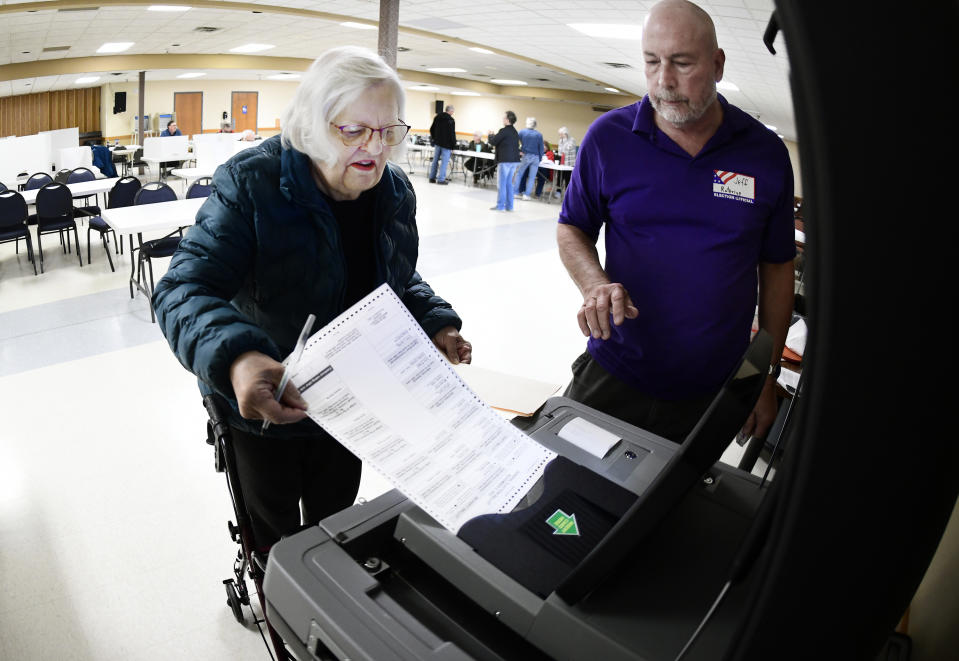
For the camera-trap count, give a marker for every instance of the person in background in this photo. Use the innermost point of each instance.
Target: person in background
(248, 135)
(696, 200)
(480, 167)
(542, 174)
(531, 149)
(443, 135)
(506, 143)
(310, 222)
(226, 126)
(171, 130)
(567, 152)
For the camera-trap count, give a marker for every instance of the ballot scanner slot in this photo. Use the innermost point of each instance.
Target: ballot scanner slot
(412, 588)
(633, 462)
(329, 599)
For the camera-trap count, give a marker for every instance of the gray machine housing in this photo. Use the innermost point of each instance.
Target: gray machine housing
(383, 580)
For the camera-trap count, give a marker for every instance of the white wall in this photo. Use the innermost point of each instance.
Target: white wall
(217, 98)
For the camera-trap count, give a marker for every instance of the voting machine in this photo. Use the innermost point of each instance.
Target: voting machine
(619, 556)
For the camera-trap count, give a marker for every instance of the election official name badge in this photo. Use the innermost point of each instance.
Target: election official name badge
(734, 186)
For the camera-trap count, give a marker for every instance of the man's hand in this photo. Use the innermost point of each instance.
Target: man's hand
(601, 298)
(599, 301)
(452, 345)
(763, 415)
(255, 376)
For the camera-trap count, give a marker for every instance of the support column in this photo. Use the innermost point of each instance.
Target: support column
(389, 26)
(140, 105)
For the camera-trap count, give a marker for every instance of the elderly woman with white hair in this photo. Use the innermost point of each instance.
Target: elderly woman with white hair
(306, 222)
(567, 149)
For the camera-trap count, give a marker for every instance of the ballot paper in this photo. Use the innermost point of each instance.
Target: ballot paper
(376, 383)
(589, 437)
(789, 380)
(796, 337)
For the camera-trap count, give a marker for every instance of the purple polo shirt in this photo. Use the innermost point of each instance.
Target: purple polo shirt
(684, 235)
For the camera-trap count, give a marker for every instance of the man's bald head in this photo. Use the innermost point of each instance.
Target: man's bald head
(683, 13)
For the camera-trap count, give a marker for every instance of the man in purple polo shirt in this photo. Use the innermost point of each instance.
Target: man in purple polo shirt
(696, 199)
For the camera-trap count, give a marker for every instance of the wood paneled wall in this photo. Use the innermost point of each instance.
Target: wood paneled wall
(31, 113)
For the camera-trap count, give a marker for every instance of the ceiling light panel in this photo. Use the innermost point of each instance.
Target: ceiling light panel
(626, 31)
(252, 48)
(115, 46)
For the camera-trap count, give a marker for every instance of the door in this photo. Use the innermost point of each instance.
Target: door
(188, 107)
(244, 111)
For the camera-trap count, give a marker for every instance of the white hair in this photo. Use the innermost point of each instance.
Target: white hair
(563, 130)
(335, 80)
(531, 122)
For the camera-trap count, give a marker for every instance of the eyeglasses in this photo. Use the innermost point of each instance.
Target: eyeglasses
(357, 134)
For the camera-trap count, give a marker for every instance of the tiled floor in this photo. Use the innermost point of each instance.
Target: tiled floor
(113, 541)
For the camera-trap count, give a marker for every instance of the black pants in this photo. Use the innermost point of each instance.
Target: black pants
(278, 477)
(595, 387)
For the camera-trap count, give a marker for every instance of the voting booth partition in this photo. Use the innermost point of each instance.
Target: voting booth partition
(212, 149)
(29, 153)
(46, 151)
(66, 149)
(70, 158)
(165, 149)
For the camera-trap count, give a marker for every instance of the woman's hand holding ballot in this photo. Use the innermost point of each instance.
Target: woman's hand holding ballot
(255, 377)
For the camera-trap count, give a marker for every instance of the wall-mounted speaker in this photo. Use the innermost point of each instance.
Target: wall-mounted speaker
(119, 102)
(438, 105)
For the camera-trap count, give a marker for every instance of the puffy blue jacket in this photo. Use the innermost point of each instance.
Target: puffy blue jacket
(264, 253)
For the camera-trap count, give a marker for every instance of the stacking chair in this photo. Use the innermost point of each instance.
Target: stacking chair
(83, 174)
(121, 195)
(200, 188)
(3, 187)
(165, 247)
(62, 176)
(123, 192)
(34, 181)
(55, 214)
(38, 180)
(155, 191)
(13, 222)
(136, 161)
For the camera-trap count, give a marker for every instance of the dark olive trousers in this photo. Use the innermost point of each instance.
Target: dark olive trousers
(593, 386)
(290, 483)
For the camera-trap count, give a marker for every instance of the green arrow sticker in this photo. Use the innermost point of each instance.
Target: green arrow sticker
(563, 523)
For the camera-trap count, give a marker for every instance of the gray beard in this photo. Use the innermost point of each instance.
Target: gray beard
(680, 117)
